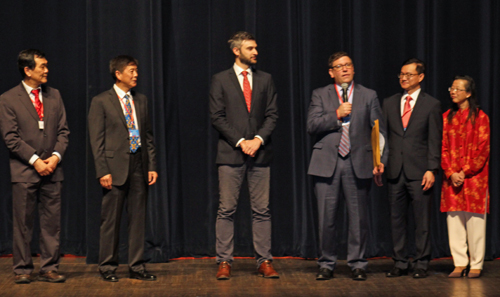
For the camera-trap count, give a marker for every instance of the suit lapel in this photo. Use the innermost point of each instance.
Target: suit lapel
(396, 112)
(25, 99)
(138, 109)
(115, 101)
(234, 79)
(48, 104)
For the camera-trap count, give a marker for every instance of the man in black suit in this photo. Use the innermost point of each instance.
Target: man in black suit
(341, 116)
(125, 161)
(243, 109)
(415, 127)
(34, 128)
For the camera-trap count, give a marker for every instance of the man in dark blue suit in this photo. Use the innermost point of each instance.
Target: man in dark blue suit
(415, 128)
(243, 110)
(341, 116)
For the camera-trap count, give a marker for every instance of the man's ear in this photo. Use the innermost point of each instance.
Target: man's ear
(236, 51)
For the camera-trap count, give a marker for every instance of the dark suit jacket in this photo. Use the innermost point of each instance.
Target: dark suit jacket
(322, 122)
(109, 136)
(419, 148)
(231, 118)
(19, 126)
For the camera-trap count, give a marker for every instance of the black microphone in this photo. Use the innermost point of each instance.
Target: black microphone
(344, 94)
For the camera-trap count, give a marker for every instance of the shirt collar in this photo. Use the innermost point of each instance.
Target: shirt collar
(28, 88)
(348, 88)
(413, 96)
(121, 93)
(238, 70)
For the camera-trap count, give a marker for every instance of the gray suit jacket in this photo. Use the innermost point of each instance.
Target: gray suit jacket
(109, 136)
(322, 122)
(231, 118)
(417, 149)
(20, 131)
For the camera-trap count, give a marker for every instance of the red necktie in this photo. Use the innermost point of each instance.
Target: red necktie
(38, 103)
(406, 112)
(247, 91)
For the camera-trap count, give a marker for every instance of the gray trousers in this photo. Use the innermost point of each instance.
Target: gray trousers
(230, 181)
(25, 196)
(328, 193)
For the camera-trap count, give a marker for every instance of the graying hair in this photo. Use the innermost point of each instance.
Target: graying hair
(238, 38)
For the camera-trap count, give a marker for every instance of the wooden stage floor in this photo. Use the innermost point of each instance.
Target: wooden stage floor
(197, 278)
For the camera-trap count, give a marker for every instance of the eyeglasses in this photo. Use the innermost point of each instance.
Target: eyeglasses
(454, 89)
(407, 75)
(339, 67)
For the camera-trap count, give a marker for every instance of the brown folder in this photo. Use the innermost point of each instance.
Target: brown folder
(376, 144)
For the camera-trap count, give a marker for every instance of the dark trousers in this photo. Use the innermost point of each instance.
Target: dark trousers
(25, 197)
(133, 195)
(230, 181)
(402, 193)
(328, 193)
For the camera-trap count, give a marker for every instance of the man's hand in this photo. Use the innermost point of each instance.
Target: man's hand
(250, 147)
(428, 180)
(42, 168)
(152, 176)
(377, 174)
(106, 181)
(457, 179)
(52, 162)
(344, 109)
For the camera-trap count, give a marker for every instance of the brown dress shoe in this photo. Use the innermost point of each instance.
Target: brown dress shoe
(266, 270)
(22, 279)
(51, 277)
(224, 271)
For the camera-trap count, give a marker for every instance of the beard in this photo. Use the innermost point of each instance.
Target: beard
(246, 60)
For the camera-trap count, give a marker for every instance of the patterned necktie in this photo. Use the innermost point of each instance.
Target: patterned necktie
(345, 143)
(247, 91)
(134, 139)
(38, 103)
(406, 112)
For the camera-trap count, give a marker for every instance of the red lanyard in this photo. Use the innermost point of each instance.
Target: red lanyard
(130, 112)
(350, 93)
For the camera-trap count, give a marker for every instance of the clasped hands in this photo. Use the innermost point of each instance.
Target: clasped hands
(47, 166)
(457, 179)
(250, 147)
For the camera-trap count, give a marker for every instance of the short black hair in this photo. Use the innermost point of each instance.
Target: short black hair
(26, 58)
(420, 64)
(335, 56)
(119, 63)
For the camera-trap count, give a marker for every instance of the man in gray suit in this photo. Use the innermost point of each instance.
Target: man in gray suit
(341, 116)
(34, 128)
(125, 162)
(244, 111)
(415, 128)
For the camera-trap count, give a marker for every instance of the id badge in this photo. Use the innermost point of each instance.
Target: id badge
(40, 125)
(133, 133)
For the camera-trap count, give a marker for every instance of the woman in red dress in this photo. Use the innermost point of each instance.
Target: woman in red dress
(465, 157)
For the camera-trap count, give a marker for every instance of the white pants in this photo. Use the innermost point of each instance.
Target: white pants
(467, 229)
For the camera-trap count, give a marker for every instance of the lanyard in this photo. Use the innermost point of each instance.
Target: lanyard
(340, 97)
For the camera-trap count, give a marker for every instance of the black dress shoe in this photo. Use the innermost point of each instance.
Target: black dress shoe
(358, 274)
(324, 274)
(419, 273)
(109, 276)
(396, 272)
(143, 275)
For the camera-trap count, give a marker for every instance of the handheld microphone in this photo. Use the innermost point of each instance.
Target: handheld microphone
(344, 94)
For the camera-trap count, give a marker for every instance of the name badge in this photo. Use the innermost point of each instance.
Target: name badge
(40, 125)
(133, 133)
